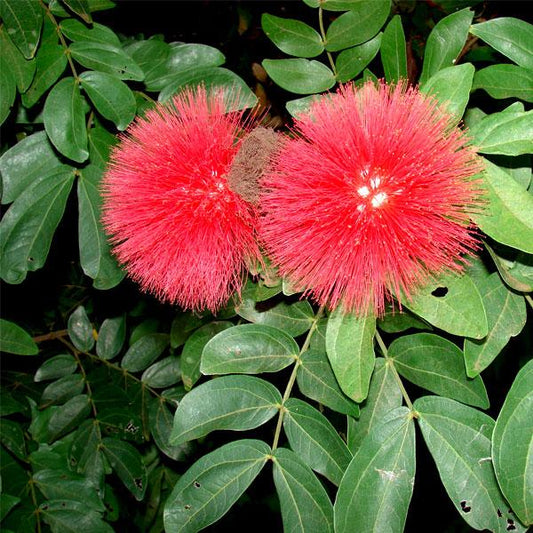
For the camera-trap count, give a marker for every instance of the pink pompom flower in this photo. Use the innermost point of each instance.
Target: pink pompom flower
(371, 197)
(177, 227)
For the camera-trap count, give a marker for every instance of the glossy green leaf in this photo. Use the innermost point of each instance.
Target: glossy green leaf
(436, 364)
(506, 315)
(213, 484)
(294, 319)
(151, 55)
(394, 51)
(352, 61)
(62, 389)
(96, 259)
(100, 143)
(230, 402)
(23, 20)
(445, 42)
(112, 98)
(111, 337)
(142, 353)
(516, 269)
(27, 228)
(64, 120)
(362, 22)
(458, 438)
(300, 76)
(61, 514)
(451, 86)
(376, 489)
(510, 36)
(305, 505)
(350, 349)
(106, 58)
(12, 437)
(384, 395)
(452, 303)
(512, 445)
(505, 81)
(8, 90)
(74, 30)
(68, 416)
(14, 339)
(191, 355)
(56, 367)
(249, 348)
(292, 36)
(163, 373)
(505, 133)
(80, 8)
(127, 463)
(315, 441)
(80, 330)
(20, 68)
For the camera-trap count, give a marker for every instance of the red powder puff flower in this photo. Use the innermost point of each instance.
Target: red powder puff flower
(371, 197)
(176, 225)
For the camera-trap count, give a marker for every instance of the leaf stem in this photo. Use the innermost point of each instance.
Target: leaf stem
(529, 300)
(323, 35)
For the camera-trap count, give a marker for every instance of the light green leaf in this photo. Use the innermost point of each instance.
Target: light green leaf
(23, 20)
(74, 30)
(248, 348)
(213, 484)
(315, 440)
(230, 402)
(436, 364)
(512, 445)
(142, 353)
(56, 367)
(453, 304)
(350, 349)
(14, 339)
(505, 81)
(394, 51)
(21, 69)
(352, 61)
(300, 76)
(305, 505)
(80, 330)
(445, 42)
(376, 489)
(458, 438)
(297, 107)
(111, 337)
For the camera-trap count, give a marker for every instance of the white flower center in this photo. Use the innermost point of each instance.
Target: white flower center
(373, 196)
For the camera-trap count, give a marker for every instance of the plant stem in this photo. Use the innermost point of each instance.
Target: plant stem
(51, 336)
(529, 300)
(323, 35)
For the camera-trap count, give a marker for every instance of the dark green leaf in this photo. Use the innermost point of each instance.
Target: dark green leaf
(230, 402)
(74, 30)
(142, 353)
(305, 505)
(181, 328)
(515, 269)
(14, 339)
(376, 489)
(62, 389)
(8, 404)
(258, 292)
(8, 90)
(512, 445)
(394, 321)
(80, 8)
(80, 330)
(68, 416)
(505, 81)
(84, 454)
(249, 348)
(21, 69)
(12, 437)
(111, 337)
(7, 502)
(292, 36)
(27, 228)
(69, 516)
(458, 438)
(351, 62)
(394, 51)
(100, 143)
(163, 373)
(213, 484)
(315, 440)
(56, 367)
(23, 20)
(151, 56)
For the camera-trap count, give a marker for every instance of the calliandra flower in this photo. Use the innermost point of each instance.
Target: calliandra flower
(370, 198)
(177, 226)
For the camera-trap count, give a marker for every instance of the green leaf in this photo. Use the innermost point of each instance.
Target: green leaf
(510, 36)
(384, 395)
(128, 464)
(163, 373)
(394, 321)
(68, 416)
(506, 315)
(452, 303)
(294, 319)
(451, 86)
(142, 353)
(512, 445)
(111, 337)
(249, 348)
(96, 259)
(74, 30)
(62, 389)
(100, 144)
(56, 367)
(508, 214)
(297, 107)
(80, 8)
(315, 440)
(64, 120)
(80, 330)
(21, 69)
(151, 56)
(362, 22)
(505, 81)
(445, 42)
(112, 98)
(191, 355)
(458, 438)
(8, 90)
(394, 51)
(230, 402)
(8, 404)
(182, 326)
(27, 228)
(213, 484)
(292, 36)
(305, 505)
(23, 20)
(7, 502)
(350, 349)
(72, 516)
(436, 364)
(505, 133)
(515, 269)
(376, 489)
(12, 437)
(14, 339)
(351, 62)
(301, 76)
(106, 58)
